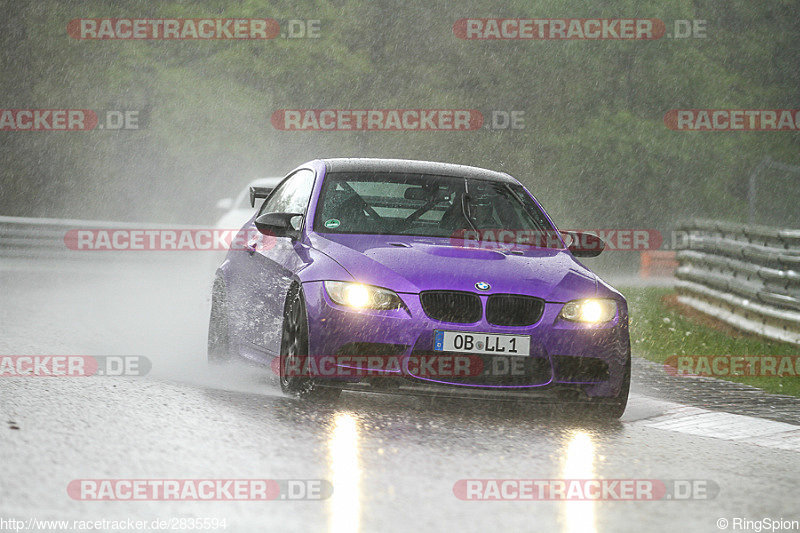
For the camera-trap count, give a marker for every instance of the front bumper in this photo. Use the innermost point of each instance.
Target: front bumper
(565, 356)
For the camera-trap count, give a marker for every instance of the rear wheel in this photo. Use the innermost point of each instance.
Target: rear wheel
(218, 334)
(294, 353)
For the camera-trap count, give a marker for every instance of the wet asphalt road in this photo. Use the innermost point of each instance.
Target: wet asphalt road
(392, 461)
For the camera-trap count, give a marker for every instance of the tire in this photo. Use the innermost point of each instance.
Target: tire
(218, 333)
(613, 408)
(294, 343)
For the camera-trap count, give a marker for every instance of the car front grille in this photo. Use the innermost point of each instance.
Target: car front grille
(452, 306)
(513, 310)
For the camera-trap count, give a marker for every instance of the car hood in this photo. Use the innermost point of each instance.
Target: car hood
(416, 264)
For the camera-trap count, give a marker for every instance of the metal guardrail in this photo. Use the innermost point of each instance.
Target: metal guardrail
(746, 276)
(43, 238)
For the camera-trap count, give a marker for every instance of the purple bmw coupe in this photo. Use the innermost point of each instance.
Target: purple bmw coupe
(422, 278)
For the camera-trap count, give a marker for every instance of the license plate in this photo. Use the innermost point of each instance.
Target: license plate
(482, 343)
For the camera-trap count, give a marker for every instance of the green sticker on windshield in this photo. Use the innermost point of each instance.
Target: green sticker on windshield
(332, 223)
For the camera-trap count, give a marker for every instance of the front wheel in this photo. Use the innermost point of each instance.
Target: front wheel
(612, 408)
(294, 353)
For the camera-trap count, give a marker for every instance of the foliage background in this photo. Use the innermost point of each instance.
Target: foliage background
(595, 149)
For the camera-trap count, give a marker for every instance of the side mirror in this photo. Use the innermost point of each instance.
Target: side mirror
(585, 244)
(224, 204)
(277, 224)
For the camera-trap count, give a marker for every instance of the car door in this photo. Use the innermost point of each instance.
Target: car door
(272, 265)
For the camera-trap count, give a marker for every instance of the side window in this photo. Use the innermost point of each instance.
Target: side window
(292, 195)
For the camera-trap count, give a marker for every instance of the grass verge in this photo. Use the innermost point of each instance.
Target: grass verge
(660, 328)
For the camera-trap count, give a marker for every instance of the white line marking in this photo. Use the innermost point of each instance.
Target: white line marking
(671, 416)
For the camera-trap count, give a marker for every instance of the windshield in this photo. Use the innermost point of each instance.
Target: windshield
(423, 205)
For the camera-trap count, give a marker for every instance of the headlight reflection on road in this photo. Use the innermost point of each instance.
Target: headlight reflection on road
(579, 516)
(345, 475)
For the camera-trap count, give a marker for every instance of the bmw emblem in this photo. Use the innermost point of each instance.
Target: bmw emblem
(482, 286)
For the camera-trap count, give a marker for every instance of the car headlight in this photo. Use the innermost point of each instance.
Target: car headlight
(360, 296)
(590, 311)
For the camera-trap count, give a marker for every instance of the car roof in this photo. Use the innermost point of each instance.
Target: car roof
(364, 164)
